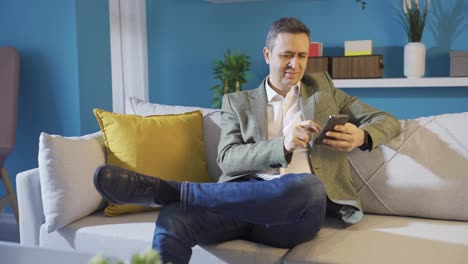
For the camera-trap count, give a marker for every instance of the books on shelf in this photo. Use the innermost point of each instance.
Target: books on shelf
(315, 49)
(358, 47)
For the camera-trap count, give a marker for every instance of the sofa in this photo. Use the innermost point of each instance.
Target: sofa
(413, 191)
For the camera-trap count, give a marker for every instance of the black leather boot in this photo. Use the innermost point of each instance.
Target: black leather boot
(121, 186)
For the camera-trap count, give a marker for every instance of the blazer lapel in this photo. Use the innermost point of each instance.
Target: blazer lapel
(308, 104)
(258, 98)
(308, 101)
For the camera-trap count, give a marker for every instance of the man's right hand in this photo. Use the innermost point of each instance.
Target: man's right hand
(299, 136)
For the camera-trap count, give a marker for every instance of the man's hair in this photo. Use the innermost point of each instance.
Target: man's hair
(285, 24)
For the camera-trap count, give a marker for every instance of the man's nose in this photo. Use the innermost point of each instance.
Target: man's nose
(292, 63)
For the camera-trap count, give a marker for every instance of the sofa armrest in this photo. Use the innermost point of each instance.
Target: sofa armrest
(31, 213)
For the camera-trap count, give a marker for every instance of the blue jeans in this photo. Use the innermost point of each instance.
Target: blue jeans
(282, 213)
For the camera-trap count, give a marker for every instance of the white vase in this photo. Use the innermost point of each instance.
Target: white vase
(415, 60)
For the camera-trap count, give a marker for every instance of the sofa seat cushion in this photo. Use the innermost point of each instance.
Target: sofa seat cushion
(386, 239)
(125, 235)
(119, 236)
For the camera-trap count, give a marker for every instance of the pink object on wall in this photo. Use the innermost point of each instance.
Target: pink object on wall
(9, 77)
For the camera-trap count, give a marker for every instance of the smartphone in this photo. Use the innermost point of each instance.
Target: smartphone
(333, 120)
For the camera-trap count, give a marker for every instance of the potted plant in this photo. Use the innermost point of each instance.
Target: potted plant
(151, 256)
(413, 14)
(232, 74)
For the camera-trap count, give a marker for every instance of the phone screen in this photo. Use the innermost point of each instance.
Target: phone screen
(333, 120)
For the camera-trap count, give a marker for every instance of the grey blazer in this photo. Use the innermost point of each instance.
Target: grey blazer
(244, 148)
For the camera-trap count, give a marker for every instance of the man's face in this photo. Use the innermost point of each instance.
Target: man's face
(287, 59)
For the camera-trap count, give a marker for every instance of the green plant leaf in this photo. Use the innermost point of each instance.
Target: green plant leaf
(231, 72)
(413, 14)
(151, 256)
(216, 103)
(99, 260)
(215, 87)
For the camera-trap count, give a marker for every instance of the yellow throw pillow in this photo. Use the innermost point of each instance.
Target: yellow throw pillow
(167, 146)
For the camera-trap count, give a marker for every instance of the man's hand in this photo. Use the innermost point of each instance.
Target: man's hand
(299, 135)
(347, 137)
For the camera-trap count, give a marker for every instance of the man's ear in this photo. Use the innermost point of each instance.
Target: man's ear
(266, 55)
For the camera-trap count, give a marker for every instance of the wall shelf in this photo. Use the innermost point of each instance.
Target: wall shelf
(229, 1)
(402, 82)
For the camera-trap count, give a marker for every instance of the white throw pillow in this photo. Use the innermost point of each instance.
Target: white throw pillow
(422, 172)
(66, 167)
(139, 107)
(211, 126)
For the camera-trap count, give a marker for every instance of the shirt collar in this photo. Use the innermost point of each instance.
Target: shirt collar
(272, 95)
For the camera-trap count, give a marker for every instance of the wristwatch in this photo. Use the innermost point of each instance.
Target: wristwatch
(367, 142)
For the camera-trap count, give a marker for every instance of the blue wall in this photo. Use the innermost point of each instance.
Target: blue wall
(65, 56)
(64, 69)
(95, 77)
(186, 36)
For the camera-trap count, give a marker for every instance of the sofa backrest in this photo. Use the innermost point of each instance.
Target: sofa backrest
(211, 126)
(422, 172)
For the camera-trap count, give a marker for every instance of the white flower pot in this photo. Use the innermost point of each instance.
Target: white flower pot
(415, 60)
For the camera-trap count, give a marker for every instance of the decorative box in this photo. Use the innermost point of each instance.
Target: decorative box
(315, 49)
(358, 47)
(459, 63)
(355, 67)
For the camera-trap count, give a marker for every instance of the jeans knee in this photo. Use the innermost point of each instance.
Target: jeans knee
(172, 219)
(308, 188)
(172, 236)
(305, 183)
(316, 189)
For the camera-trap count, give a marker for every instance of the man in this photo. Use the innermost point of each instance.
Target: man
(276, 183)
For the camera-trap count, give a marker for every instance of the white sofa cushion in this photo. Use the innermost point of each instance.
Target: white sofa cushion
(422, 172)
(385, 239)
(211, 126)
(66, 167)
(137, 106)
(125, 235)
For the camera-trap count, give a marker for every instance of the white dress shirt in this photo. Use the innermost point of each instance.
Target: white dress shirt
(282, 115)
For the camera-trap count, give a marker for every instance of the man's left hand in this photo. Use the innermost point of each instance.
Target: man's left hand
(346, 137)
